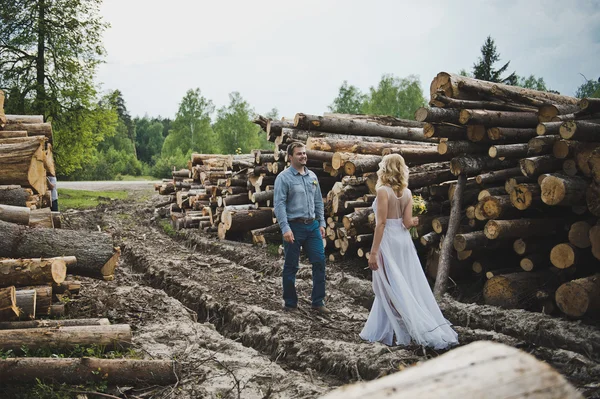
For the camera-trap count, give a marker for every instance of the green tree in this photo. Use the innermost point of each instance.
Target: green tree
(191, 130)
(49, 51)
(395, 97)
(590, 89)
(148, 139)
(234, 127)
(350, 100)
(484, 68)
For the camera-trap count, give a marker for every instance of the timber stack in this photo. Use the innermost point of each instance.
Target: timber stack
(531, 201)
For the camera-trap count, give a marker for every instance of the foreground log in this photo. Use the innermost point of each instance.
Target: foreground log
(22, 162)
(79, 371)
(22, 272)
(17, 325)
(515, 290)
(111, 336)
(8, 303)
(465, 373)
(579, 297)
(95, 253)
(15, 214)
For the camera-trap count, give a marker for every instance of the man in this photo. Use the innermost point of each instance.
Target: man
(300, 213)
(53, 193)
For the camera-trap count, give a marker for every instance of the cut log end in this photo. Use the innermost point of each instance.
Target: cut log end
(108, 270)
(563, 255)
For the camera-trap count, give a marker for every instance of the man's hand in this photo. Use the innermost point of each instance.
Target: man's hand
(288, 237)
(322, 230)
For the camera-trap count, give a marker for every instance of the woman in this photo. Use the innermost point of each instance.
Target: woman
(404, 304)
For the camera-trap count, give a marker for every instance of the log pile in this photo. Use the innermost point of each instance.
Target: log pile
(531, 202)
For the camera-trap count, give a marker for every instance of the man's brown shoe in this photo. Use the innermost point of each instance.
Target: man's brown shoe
(322, 309)
(289, 309)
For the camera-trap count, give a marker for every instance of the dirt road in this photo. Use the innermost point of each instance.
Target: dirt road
(113, 185)
(215, 306)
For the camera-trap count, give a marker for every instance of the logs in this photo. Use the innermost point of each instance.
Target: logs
(8, 303)
(22, 162)
(17, 325)
(22, 272)
(515, 290)
(579, 297)
(95, 253)
(15, 214)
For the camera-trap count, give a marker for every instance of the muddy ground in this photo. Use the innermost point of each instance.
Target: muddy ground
(215, 307)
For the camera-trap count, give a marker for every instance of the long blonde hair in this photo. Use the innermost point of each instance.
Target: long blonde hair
(393, 172)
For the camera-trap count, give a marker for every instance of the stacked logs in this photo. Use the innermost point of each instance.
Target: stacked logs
(531, 197)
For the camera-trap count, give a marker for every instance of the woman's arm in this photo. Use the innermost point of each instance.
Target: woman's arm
(407, 215)
(382, 210)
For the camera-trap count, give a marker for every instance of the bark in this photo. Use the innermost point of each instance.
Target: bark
(274, 128)
(535, 166)
(455, 148)
(497, 175)
(563, 190)
(580, 130)
(593, 198)
(18, 325)
(465, 372)
(26, 302)
(430, 239)
(444, 262)
(81, 371)
(111, 336)
(483, 194)
(357, 127)
(32, 129)
(8, 303)
(20, 272)
(242, 221)
(498, 118)
(530, 96)
(9, 135)
(477, 133)
(96, 256)
(15, 195)
(258, 235)
(15, 214)
(511, 134)
(22, 162)
(236, 199)
(10, 119)
(595, 240)
(437, 115)
(471, 165)
(49, 161)
(523, 196)
(548, 112)
(451, 132)
(516, 290)
(381, 119)
(362, 165)
(589, 105)
(442, 101)
(521, 228)
(497, 207)
(263, 196)
(542, 145)
(43, 299)
(579, 297)
(548, 128)
(509, 151)
(356, 218)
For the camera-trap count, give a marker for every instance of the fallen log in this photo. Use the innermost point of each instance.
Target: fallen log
(437, 115)
(511, 134)
(17, 196)
(461, 147)
(470, 165)
(563, 190)
(41, 218)
(95, 253)
(580, 131)
(22, 162)
(464, 372)
(15, 214)
(442, 101)
(10, 119)
(451, 132)
(521, 228)
(498, 118)
(32, 129)
(113, 336)
(81, 371)
(9, 135)
(43, 299)
(516, 290)
(535, 166)
(22, 272)
(246, 220)
(26, 302)
(48, 323)
(579, 297)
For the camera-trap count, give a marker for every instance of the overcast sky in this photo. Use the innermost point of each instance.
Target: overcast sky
(294, 55)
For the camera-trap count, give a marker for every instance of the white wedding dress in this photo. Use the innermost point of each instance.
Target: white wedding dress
(404, 304)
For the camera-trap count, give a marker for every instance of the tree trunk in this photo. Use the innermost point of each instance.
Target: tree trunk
(542, 145)
(470, 165)
(418, 155)
(48, 323)
(563, 190)
(10, 119)
(8, 303)
(444, 262)
(442, 101)
(565, 255)
(516, 290)
(523, 196)
(21, 272)
(498, 118)
(509, 151)
(497, 207)
(364, 164)
(111, 336)
(10, 135)
(455, 148)
(437, 115)
(465, 373)
(548, 112)
(357, 127)
(451, 132)
(521, 228)
(380, 119)
(263, 196)
(22, 162)
(356, 146)
(535, 166)
(43, 299)
(96, 256)
(26, 302)
(81, 371)
(497, 176)
(236, 199)
(41, 218)
(579, 297)
(32, 129)
(242, 221)
(580, 130)
(511, 134)
(15, 214)
(356, 218)
(579, 233)
(548, 128)
(16, 196)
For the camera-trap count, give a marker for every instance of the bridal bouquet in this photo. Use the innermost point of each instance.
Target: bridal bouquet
(419, 207)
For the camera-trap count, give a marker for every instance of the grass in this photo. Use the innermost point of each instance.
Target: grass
(82, 199)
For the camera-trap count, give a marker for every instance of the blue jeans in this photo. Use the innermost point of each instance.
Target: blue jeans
(307, 236)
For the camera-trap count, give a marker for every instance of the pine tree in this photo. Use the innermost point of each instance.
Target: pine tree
(484, 68)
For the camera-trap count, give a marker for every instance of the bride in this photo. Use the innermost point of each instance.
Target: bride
(404, 304)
